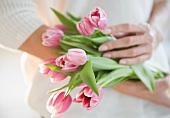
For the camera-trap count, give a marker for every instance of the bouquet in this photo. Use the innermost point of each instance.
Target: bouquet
(82, 63)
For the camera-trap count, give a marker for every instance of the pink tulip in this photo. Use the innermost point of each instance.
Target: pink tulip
(88, 97)
(84, 27)
(52, 36)
(54, 76)
(72, 60)
(62, 27)
(97, 18)
(76, 56)
(58, 104)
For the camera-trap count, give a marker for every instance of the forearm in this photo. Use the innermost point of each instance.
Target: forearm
(33, 45)
(21, 28)
(160, 16)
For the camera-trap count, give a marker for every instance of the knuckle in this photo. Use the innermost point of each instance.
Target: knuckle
(140, 59)
(109, 45)
(131, 61)
(165, 83)
(150, 37)
(149, 56)
(129, 40)
(147, 27)
(113, 54)
(168, 81)
(133, 52)
(126, 26)
(148, 49)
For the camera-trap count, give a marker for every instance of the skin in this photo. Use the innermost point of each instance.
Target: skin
(33, 45)
(145, 36)
(161, 96)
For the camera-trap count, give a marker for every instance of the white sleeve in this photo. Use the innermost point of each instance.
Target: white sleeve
(18, 20)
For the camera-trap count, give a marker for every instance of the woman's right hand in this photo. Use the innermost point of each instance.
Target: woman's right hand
(142, 38)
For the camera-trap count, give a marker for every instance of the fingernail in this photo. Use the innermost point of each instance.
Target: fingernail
(106, 31)
(122, 62)
(103, 48)
(107, 55)
(120, 33)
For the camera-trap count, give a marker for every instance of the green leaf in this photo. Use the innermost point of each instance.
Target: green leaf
(103, 39)
(77, 19)
(82, 46)
(88, 77)
(101, 63)
(115, 81)
(145, 75)
(53, 67)
(67, 22)
(100, 74)
(80, 39)
(69, 38)
(57, 69)
(71, 82)
(159, 75)
(97, 33)
(59, 51)
(71, 33)
(112, 76)
(77, 82)
(57, 89)
(65, 47)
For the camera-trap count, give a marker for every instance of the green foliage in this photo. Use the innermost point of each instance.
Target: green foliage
(77, 19)
(145, 75)
(66, 21)
(88, 77)
(102, 63)
(113, 77)
(81, 46)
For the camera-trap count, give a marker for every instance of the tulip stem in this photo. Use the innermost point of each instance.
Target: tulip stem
(55, 90)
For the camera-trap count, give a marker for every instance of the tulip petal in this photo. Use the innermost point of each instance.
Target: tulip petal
(86, 102)
(58, 98)
(79, 59)
(56, 76)
(60, 61)
(55, 114)
(65, 104)
(88, 92)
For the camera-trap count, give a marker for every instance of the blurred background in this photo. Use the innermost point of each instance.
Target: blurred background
(13, 86)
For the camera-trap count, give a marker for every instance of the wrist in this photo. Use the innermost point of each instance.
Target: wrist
(33, 45)
(158, 34)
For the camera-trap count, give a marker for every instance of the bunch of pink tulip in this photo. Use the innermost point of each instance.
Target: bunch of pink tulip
(95, 19)
(70, 62)
(83, 64)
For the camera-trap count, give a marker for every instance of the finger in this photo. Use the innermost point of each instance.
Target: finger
(123, 42)
(132, 52)
(136, 60)
(123, 34)
(163, 84)
(130, 87)
(126, 27)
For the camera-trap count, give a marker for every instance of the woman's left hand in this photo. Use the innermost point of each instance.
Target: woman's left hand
(141, 38)
(161, 95)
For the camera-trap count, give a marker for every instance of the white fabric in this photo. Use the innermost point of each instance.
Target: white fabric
(114, 103)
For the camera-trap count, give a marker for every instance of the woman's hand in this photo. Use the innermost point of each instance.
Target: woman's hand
(141, 38)
(137, 89)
